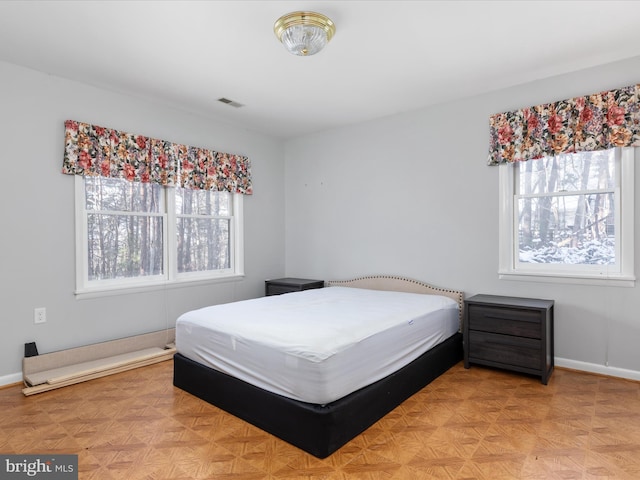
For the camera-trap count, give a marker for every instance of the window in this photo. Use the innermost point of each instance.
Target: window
(204, 225)
(132, 234)
(568, 217)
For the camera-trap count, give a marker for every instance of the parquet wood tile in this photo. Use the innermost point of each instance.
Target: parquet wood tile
(476, 424)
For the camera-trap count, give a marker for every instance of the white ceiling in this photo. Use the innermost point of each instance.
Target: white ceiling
(386, 56)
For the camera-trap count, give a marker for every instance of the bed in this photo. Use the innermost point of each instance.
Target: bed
(318, 367)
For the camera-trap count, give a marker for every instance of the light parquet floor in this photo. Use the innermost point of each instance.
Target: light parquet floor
(468, 424)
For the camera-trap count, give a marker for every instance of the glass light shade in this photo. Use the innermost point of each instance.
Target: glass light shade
(304, 39)
(304, 33)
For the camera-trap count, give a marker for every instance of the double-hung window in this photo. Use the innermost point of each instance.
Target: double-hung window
(568, 218)
(137, 235)
(204, 231)
(150, 212)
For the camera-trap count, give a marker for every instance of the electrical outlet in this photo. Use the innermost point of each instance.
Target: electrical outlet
(40, 315)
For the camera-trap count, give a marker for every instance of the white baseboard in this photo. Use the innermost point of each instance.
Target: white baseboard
(11, 379)
(599, 369)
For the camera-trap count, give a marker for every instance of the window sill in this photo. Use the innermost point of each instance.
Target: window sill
(610, 281)
(135, 289)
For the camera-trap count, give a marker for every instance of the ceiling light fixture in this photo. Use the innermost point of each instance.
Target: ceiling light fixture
(304, 33)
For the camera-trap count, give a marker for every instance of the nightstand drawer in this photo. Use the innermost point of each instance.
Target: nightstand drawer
(508, 321)
(504, 349)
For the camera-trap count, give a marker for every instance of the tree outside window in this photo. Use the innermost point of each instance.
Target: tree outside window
(569, 215)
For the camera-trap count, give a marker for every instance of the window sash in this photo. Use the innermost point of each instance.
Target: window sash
(121, 221)
(202, 246)
(170, 275)
(556, 226)
(621, 273)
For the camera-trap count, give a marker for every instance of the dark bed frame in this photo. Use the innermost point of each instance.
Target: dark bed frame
(318, 429)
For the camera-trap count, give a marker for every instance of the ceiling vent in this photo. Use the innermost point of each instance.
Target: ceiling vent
(230, 102)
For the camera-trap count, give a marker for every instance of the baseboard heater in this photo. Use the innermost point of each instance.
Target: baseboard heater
(48, 371)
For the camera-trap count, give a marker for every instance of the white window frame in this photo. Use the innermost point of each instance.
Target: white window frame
(170, 277)
(622, 274)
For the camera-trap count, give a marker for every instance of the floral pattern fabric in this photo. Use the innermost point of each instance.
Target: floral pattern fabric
(593, 122)
(94, 150)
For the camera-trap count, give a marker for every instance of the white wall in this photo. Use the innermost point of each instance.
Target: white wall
(412, 195)
(409, 194)
(37, 213)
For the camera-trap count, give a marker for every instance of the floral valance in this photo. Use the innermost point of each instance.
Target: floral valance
(94, 150)
(593, 122)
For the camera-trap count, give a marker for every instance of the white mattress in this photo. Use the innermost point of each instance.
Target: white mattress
(317, 345)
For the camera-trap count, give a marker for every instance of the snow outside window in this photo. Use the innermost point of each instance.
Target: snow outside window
(132, 235)
(568, 218)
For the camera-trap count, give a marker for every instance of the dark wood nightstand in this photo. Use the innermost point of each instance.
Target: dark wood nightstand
(286, 285)
(509, 332)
